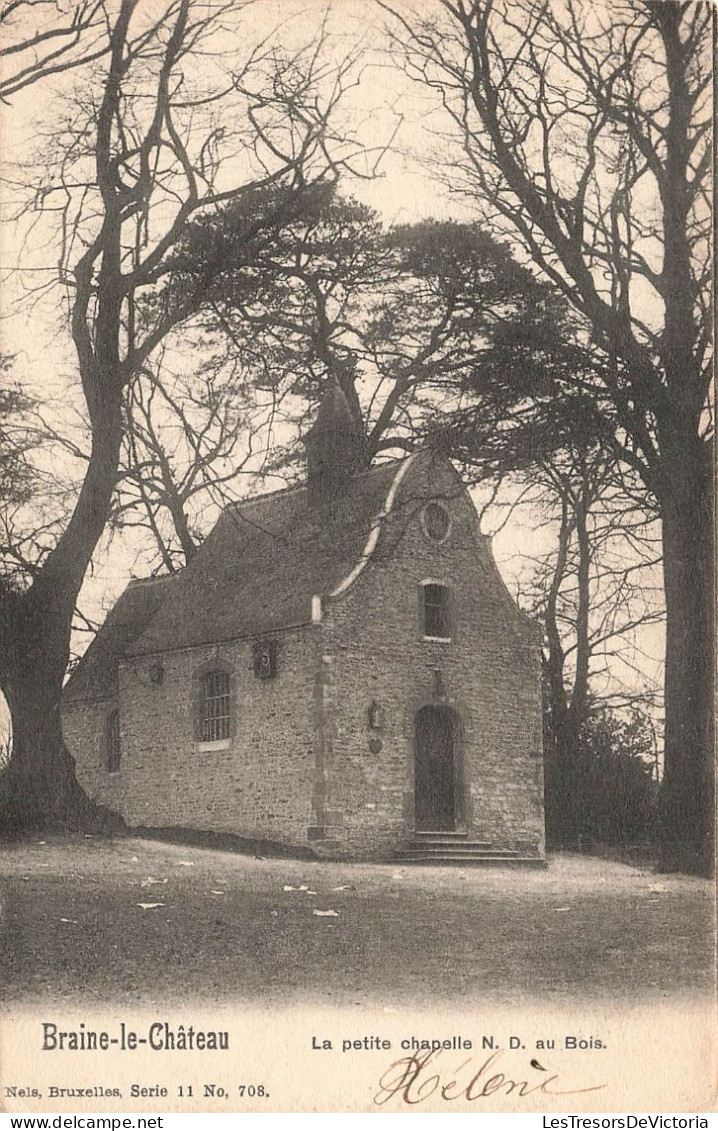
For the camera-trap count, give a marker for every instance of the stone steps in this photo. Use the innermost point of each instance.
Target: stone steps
(457, 848)
(484, 860)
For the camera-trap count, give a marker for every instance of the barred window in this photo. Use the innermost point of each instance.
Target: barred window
(215, 709)
(112, 743)
(437, 621)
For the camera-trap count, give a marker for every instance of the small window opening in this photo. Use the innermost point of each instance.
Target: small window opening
(113, 750)
(215, 706)
(436, 611)
(436, 522)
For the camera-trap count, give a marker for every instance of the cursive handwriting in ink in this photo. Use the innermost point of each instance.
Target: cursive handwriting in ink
(415, 1079)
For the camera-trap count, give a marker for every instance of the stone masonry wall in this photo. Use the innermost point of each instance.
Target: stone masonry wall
(260, 785)
(256, 784)
(489, 673)
(85, 727)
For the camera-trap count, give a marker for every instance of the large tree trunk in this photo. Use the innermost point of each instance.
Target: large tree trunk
(39, 789)
(567, 708)
(563, 815)
(687, 802)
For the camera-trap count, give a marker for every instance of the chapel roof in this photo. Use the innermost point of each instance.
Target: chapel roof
(256, 573)
(95, 677)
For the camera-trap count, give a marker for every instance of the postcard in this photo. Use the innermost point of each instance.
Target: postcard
(357, 591)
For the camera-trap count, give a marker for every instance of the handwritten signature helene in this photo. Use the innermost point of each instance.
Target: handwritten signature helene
(419, 1077)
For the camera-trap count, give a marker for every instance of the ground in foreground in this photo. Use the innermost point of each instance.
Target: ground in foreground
(137, 921)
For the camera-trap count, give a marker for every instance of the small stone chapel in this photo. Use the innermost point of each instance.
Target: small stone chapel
(340, 668)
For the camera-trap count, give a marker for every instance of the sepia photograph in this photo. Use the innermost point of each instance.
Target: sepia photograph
(357, 557)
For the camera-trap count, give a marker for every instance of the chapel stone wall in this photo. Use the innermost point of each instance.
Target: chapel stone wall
(489, 674)
(257, 784)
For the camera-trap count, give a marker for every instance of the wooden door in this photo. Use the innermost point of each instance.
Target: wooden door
(434, 771)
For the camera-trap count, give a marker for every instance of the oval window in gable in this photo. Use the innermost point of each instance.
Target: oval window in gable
(436, 521)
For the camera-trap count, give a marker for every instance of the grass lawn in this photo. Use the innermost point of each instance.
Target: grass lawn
(73, 929)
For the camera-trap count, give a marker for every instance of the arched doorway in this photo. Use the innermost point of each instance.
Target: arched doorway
(435, 769)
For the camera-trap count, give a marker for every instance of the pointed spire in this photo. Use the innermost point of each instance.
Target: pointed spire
(334, 445)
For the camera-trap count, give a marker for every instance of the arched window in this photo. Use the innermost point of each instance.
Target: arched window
(215, 709)
(113, 749)
(435, 610)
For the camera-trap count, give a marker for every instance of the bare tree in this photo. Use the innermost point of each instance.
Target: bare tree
(41, 38)
(585, 132)
(190, 440)
(137, 158)
(34, 499)
(594, 592)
